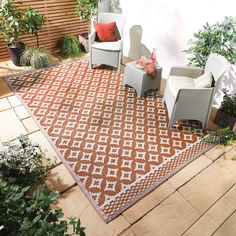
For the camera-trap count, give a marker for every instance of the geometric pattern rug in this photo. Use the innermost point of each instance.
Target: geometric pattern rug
(117, 146)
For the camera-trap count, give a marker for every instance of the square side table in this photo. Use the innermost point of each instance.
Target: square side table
(140, 80)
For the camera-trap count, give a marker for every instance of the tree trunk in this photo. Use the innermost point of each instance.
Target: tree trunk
(37, 38)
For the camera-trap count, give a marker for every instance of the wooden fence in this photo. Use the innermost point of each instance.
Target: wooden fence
(61, 20)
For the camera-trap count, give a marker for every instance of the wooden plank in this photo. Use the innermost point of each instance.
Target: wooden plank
(215, 216)
(205, 189)
(172, 217)
(228, 228)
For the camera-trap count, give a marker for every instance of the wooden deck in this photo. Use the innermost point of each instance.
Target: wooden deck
(199, 200)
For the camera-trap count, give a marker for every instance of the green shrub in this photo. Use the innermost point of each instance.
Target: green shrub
(27, 211)
(70, 46)
(86, 9)
(35, 57)
(228, 104)
(11, 23)
(217, 38)
(23, 163)
(221, 136)
(24, 214)
(33, 22)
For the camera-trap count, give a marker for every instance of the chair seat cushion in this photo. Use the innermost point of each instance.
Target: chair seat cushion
(109, 46)
(176, 83)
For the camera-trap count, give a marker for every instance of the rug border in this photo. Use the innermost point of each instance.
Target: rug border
(158, 183)
(94, 204)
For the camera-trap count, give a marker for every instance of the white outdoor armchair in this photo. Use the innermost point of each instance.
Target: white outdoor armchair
(107, 53)
(186, 102)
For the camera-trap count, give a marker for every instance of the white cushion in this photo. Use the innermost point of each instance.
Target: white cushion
(203, 81)
(109, 46)
(179, 82)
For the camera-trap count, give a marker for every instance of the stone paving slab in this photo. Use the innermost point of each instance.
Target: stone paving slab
(10, 126)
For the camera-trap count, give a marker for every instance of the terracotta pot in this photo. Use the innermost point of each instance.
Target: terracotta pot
(222, 119)
(15, 52)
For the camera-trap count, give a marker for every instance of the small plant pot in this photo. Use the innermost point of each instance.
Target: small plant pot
(84, 42)
(222, 119)
(15, 52)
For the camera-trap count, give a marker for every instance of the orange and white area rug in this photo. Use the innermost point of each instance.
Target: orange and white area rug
(117, 146)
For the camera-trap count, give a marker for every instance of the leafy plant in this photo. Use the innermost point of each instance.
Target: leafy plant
(33, 22)
(11, 24)
(70, 46)
(221, 136)
(24, 214)
(23, 163)
(35, 57)
(217, 38)
(26, 210)
(228, 104)
(86, 9)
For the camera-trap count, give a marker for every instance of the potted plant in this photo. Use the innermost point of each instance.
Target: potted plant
(11, 26)
(226, 115)
(35, 57)
(33, 22)
(70, 46)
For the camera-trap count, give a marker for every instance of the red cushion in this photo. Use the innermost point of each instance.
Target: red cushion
(106, 32)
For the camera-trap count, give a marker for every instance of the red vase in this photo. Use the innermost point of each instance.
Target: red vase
(153, 56)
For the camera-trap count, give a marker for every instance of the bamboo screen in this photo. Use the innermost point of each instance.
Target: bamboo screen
(60, 20)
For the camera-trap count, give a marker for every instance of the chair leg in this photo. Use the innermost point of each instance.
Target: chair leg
(118, 69)
(90, 59)
(171, 122)
(204, 124)
(90, 64)
(119, 62)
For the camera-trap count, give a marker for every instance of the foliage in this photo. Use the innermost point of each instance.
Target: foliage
(86, 9)
(221, 136)
(33, 21)
(26, 211)
(217, 38)
(16, 21)
(24, 214)
(22, 163)
(70, 46)
(11, 24)
(35, 57)
(228, 104)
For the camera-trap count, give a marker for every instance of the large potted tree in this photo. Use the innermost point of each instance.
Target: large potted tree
(11, 26)
(33, 22)
(34, 56)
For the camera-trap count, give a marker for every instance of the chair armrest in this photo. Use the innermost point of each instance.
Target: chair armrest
(195, 94)
(188, 71)
(92, 37)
